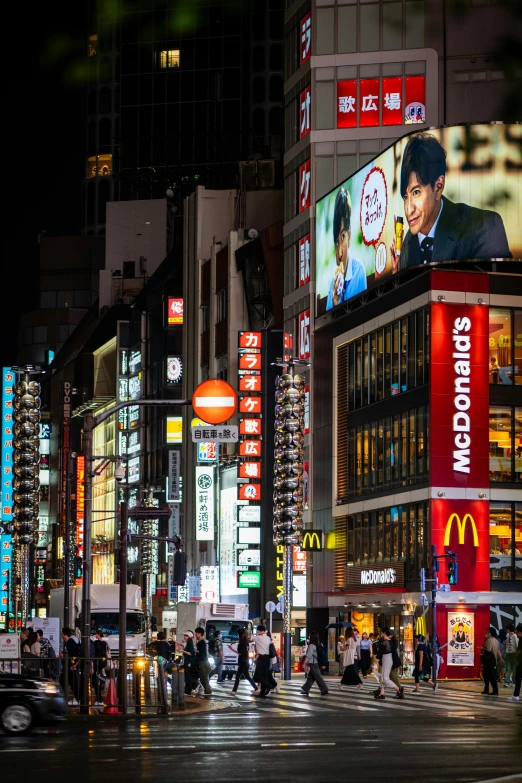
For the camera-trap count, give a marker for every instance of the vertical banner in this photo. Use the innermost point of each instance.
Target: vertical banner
(80, 510)
(461, 638)
(6, 603)
(173, 478)
(204, 503)
(392, 101)
(304, 112)
(347, 104)
(7, 444)
(462, 526)
(304, 260)
(369, 99)
(304, 185)
(306, 38)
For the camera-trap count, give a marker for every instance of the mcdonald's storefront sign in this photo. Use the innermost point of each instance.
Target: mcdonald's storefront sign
(467, 521)
(312, 541)
(382, 576)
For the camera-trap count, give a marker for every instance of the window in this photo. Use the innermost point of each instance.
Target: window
(505, 540)
(505, 346)
(205, 317)
(222, 367)
(47, 299)
(324, 105)
(505, 444)
(65, 331)
(221, 305)
(34, 335)
(169, 58)
(99, 166)
(325, 41)
(324, 180)
(369, 28)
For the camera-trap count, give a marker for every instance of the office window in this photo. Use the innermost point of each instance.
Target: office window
(392, 25)
(517, 347)
(169, 58)
(369, 28)
(500, 347)
(65, 331)
(324, 177)
(221, 305)
(415, 13)
(346, 166)
(505, 541)
(205, 317)
(346, 29)
(505, 444)
(34, 335)
(47, 300)
(389, 535)
(325, 22)
(222, 367)
(324, 105)
(99, 166)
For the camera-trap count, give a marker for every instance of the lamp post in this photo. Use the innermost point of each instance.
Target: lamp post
(91, 421)
(288, 484)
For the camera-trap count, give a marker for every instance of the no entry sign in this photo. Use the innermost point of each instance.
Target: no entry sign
(214, 401)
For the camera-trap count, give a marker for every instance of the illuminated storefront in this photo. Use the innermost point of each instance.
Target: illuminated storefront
(104, 505)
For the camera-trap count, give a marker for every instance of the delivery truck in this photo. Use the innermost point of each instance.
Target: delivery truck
(227, 618)
(105, 615)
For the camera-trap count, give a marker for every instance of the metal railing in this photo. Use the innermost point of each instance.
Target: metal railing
(148, 686)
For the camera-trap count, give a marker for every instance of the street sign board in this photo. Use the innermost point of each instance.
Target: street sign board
(249, 579)
(280, 608)
(214, 401)
(270, 606)
(214, 434)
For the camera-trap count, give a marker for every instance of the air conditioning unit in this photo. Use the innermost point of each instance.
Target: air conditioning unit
(265, 173)
(248, 174)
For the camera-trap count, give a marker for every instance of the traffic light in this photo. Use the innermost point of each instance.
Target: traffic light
(180, 569)
(453, 572)
(77, 567)
(423, 579)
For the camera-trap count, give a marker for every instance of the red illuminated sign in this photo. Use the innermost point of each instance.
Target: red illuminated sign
(250, 492)
(250, 427)
(250, 361)
(304, 260)
(288, 344)
(304, 112)
(250, 470)
(369, 98)
(80, 505)
(298, 560)
(250, 405)
(347, 104)
(304, 185)
(459, 396)
(250, 383)
(306, 37)
(415, 109)
(304, 335)
(392, 101)
(250, 448)
(175, 315)
(250, 339)
(462, 526)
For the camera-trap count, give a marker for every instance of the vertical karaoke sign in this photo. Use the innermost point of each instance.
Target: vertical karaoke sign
(6, 542)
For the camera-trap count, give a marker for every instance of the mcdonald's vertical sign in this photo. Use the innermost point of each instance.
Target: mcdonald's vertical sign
(462, 526)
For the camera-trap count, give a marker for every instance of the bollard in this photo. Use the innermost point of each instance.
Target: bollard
(136, 683)
(181, 686)
(174, 683)
(163, 708)
(146, 680)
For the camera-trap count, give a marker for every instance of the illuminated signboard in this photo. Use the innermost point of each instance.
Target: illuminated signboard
(304, 185)
(362, 231)
(175, 314)
(249, 513)
(249, 579)
(250, 492)
(305, 27)
(174, 369)
(250, 339)
(174, 429)
(8, 381)
(304, 335)
(133, 470)
(80, 507)
(249, 535)
(304, 260)
(204, 489)
(249, 557)
(6, 551)
(207, 452)
(305, 100)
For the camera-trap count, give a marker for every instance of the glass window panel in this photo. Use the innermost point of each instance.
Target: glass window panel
(412, 443)
(387, 449)
(394, 514)
(359, 460)
(365, 371)
(517, 347)
(357, 537)
(372, 549)
(325, 36)
(392, 26)
(415, 24)
(351, 376)
(350, 543)
(500, 348)
(40, 334)
(395, 450)
(369, 28)
(395, 360)
(426, 356)
(404, 355)
(411, 351)
(346, 166)
(380, 364)
(352, 462)
(380, 536)
(518, 541)
(358, 373)
(421, 537)
(420, 442)
(419, 346)
(324, 175)
(373, 367)
(500, 444)
(387, 552)
(365, 538)
(518, 445)
(373, 456)
(365, 456)
(380, 453)
(403, 535)
(387, 360)
(346, 29)
(412, 536)
(47, 299)
(500, 541)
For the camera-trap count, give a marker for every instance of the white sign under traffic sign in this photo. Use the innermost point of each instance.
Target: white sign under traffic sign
(214, 434)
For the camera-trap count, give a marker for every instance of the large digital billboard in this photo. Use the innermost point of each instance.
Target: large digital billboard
(448, 194)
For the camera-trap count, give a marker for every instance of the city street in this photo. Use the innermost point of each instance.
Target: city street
(449, 736)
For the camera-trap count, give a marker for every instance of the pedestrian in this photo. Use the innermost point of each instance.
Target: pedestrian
(350, 676)
(262, 673)
(162, 648)
(518, 668)
(422, 669)
(313, 669)
(47, 652)
(102, 658)
(366, 653)
(510, 655)
(274, 686)
(32, 644)
(219, 658)
(340, 651)
(390, 659)
(202, 663)
(189, 661)
(73, 677)
(24, 635)
(242, 650)
(357, 639)
(490, 658)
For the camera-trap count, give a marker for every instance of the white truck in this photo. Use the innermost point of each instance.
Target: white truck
(227, 618)
(105, 615)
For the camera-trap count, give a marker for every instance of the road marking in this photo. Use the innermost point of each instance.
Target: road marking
(27, 750)
(501, 780)
(442, 742)
(296, 744)
(158, 747)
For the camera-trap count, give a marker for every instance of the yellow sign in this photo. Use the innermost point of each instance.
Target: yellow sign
(312, 541)
(461, 526)
(174, 429)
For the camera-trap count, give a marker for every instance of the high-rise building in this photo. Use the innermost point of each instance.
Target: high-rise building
(360, 75)
(178, 95)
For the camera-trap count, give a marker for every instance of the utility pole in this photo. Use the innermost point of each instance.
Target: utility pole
(124, 521)
(434, 588)
(67, 548)
(88, 427)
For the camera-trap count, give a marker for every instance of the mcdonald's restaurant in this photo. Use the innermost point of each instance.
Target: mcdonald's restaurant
(424, 437)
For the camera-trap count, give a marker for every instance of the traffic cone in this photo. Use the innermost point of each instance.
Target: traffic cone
(111, 699)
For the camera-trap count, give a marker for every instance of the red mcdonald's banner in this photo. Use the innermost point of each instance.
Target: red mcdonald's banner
(462, 526)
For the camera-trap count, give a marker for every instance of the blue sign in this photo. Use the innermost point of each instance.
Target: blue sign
(8, 381)
(6, 552)
(207, 452)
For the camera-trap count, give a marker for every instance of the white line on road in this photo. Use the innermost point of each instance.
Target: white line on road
(27, 750)
(501, 780)
(442, 742)
(158, 747)
(296, 744)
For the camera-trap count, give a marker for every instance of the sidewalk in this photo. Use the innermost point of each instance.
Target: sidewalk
(469, 686)
(193, 705)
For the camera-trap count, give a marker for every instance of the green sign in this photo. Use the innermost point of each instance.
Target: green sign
(249, 579)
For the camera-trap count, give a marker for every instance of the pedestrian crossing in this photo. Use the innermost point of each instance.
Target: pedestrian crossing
(289, 700)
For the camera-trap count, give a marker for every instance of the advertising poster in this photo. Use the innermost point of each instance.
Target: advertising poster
(461, 638)
(450, 194)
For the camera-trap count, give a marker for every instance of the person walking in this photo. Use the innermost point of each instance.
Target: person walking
(219, 658)
(518, 669)
(350, 676)
(262, 674)
(389, 660)
(490, 657)
(313, 668)
(510, 655)
(366, 653)
(422, 669)
(73, 677)
(202, 663)
(102, 653)
(242, 649)
(340, 652)
(357, 639)
(189, 660)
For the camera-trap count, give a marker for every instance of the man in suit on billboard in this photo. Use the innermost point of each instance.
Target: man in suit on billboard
(440, 230)
(350, 277)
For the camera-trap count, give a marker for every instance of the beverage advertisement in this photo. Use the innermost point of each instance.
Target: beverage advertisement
(443, 195)
(461, 639)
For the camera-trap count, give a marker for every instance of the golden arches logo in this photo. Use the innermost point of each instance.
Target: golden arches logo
(461, 526)
(312, 541)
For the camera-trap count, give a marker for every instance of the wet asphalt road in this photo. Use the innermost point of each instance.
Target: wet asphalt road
(246, 744)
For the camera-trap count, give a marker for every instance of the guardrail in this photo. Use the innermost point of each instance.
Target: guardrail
(147, 686)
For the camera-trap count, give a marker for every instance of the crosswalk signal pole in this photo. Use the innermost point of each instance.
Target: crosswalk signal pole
(434, 569)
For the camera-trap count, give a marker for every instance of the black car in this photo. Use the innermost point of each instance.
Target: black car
(27, 701)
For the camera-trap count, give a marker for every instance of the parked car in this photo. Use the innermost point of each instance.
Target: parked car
(27, 701)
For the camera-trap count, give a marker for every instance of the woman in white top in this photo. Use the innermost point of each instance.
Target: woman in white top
(340, 652)
(350, 676)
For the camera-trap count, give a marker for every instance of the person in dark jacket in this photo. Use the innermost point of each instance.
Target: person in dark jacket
(242, 650)
(189, 660)
(518, 670)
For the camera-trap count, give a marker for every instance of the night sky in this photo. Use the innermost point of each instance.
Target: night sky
(44, 121)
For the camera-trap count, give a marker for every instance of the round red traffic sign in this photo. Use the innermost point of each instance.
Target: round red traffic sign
(214, 401)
